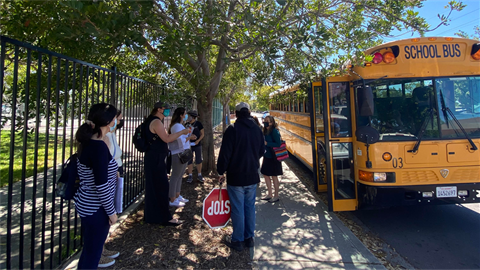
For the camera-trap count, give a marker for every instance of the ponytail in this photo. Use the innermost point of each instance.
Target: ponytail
(99, 116)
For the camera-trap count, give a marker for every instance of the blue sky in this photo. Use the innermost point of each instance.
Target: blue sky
(464, 20)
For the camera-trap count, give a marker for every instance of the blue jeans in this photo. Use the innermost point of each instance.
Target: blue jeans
(242, 202)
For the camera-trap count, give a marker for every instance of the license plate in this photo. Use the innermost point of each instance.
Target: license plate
(446, 192)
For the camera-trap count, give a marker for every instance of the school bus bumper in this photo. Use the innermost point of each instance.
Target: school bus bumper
(376, 197)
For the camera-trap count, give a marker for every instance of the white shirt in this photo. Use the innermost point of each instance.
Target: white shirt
(181, 143)
(114, 148)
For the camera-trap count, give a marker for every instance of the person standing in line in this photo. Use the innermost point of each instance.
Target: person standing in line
(196, 146)
(257, 121)
(176, 147)
(112, 144)
(97, 171)
(240, 153)
(271, 167)
(156, 180)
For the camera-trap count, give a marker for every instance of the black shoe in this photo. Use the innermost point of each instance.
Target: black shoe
(249, 242)
(238, 246)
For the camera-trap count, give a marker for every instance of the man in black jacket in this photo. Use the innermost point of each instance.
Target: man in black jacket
(242, 146)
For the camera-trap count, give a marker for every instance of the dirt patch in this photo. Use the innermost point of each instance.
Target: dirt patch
(190, 245)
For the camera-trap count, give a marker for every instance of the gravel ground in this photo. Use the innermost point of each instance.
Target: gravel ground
(190, 245)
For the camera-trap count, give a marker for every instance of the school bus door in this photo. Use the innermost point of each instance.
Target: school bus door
(338, 145)
(318, 136)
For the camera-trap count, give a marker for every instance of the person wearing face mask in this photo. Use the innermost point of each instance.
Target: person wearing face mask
(196, 146)
(110, 140)
(94, 200)
(176, 147)
(156, 180)
(271, 167)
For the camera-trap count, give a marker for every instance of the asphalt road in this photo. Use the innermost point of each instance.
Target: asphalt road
(430, 237)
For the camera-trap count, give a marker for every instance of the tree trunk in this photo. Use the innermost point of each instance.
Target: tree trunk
(205, 109)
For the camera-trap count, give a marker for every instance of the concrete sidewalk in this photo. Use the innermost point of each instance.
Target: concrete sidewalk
(298, 232)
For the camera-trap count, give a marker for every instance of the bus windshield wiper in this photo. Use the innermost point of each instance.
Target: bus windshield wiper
(422, 130)
(446, 111)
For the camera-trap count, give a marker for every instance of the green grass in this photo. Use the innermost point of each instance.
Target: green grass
(30, 160)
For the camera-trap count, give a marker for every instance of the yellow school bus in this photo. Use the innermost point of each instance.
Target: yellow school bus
(403, 129)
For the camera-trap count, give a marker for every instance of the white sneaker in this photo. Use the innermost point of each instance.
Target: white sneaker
(182, 199)
(177, 203)
(105, 262)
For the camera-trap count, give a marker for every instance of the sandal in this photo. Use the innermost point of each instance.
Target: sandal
(169, 223)
(266, 199)
(272, 200)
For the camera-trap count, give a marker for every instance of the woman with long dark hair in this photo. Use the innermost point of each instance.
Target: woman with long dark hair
(97, 171)
(156, 179)
(271, 167)
(176, 147)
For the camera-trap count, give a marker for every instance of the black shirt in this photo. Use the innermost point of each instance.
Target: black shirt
(197, 126)
(242, 147)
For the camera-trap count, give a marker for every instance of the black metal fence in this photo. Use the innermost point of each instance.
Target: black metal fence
(45, 98)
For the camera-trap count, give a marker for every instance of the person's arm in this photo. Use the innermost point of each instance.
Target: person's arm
(100, 162)
(226, 150)
(262, 145)
(202, 134)
(276, 139)
(159, 129)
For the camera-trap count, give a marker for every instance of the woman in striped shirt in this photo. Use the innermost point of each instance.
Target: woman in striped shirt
(97, 171)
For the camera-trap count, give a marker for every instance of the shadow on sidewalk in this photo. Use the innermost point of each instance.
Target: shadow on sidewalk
(299, 232)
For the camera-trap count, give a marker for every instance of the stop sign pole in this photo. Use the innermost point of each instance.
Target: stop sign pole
(216, 208)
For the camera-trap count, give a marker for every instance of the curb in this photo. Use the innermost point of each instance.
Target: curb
(73, 261)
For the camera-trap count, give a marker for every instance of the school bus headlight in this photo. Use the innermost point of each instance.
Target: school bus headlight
(388, 57)
(377, 58)
(476, 51)
(379, 177)
(387, 156)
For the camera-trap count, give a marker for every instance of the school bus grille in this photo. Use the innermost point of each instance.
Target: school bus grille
(418, 176)
(466, 175)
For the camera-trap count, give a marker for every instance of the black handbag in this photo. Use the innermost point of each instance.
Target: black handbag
(185, 156)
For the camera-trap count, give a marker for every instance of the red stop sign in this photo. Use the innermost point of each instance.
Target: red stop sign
(216, 209)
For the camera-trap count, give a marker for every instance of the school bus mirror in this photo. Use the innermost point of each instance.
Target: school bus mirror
(476, 51)
(365, 101)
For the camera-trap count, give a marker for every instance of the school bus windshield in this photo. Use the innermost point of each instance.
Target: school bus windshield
(403, 105)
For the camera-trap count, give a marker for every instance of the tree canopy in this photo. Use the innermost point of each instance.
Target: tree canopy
(295, 39)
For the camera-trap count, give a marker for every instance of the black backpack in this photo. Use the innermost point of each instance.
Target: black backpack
(140, 138)
(68, 183)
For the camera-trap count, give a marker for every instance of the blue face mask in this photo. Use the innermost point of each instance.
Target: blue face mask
(166, 112)
(185, 118)
(114, 126)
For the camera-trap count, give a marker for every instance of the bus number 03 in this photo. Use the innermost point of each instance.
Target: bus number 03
(397, 162)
